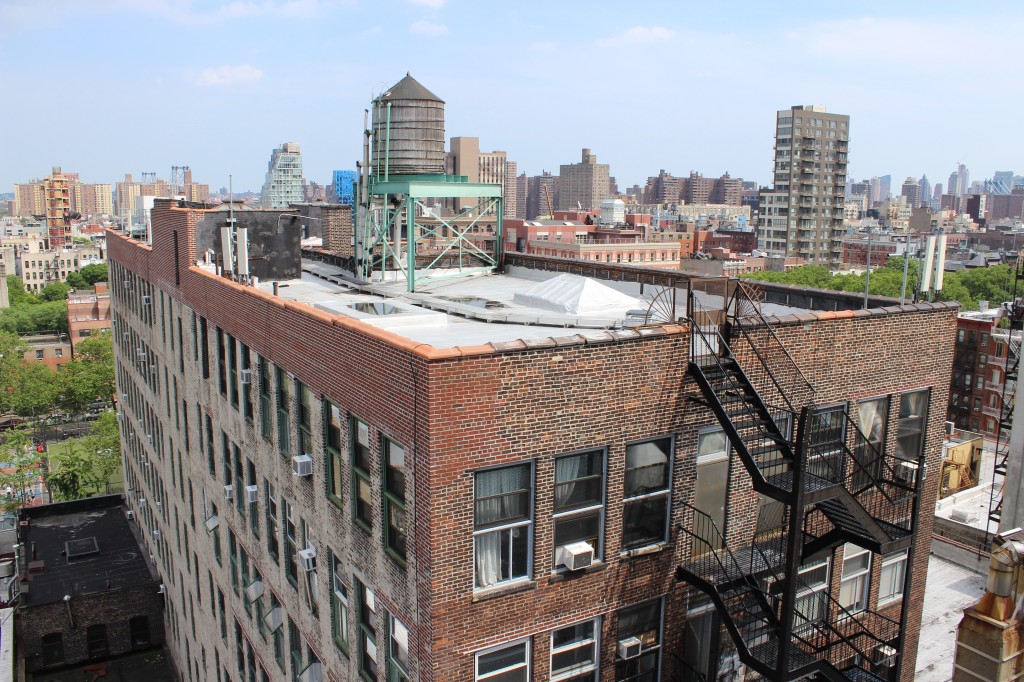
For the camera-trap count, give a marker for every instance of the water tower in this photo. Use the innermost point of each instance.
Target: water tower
(400, 235)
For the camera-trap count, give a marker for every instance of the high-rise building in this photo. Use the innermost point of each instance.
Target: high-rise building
(583, 185)
(345, 186)
(811, 148)
(57, 194)
(542, 195)
(912, 191)
(925, 194)
(959, 181)
(522, 192)
(885, 188)
(465, 158)
(697, 189)
(85, 200)
(511, 189)
(663, 188)
(727, 190)
(284, 184)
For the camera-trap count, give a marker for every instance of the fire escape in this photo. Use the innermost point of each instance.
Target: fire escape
(821, 483)
(1007, 397)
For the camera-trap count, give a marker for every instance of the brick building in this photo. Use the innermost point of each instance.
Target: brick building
(373, 486)
(88, 313)
(984, 352)
(87, 591)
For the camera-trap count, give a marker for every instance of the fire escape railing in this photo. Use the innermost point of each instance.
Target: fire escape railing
(1007, 400)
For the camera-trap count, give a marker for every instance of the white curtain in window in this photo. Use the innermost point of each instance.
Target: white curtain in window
(646, 461)
(488, 558)
(567, 470)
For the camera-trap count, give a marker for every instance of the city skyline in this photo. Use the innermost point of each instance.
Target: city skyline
(216, 85)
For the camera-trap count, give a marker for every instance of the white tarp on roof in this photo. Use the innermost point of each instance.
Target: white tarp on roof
(575, 295)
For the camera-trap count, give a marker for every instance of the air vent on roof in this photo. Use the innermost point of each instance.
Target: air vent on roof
(83, 547)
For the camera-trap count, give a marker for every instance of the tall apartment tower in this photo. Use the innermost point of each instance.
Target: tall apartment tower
(465, 158)
(583, 184)
(912, 191)
(284, 184)
(58, 210)
(811, 147)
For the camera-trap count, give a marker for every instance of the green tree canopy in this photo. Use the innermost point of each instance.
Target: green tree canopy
(84, 466)
(55, 291)
(94, 273)
(76, 281)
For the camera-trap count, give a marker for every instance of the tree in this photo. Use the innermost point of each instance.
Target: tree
(20, 471)
(54, 291)
(35, 391)
(97, 354)
(16, 293)
(94, 273)
(76, 281)
(83, 467)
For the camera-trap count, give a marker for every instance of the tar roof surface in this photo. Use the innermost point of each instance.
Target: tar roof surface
(119, 563)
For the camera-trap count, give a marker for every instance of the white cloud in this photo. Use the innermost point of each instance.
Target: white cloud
(226, 75)
(432, 4)
(638, 35)
(429, 29)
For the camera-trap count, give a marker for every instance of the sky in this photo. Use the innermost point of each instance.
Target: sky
(108, 87)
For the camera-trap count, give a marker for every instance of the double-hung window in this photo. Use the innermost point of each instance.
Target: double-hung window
(284, 445)
(305, 423)
(502, 524)
(812, 595)
(579, 500)
(273, 543)
(367, 632)
(893, 577)
(575, 652)
(339, 604)
(646, 503)
(398, 650)
(508, 663)
(333, 449)
(856, 581)
(291, 558)
(826, 442)
(246, 366)
(395, 477)
(872, 426)
(266, 411)
(363, 495)
(640, 630)
(912, 419)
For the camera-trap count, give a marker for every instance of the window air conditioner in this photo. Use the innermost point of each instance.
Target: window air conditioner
(950, 428)
(229, 492)
(302, 465)
(308, 558)
(629, 648)
(245, 376)
(159, 506)
(885, 655)
(156, 533)
(212, 523)
(161, 589)
(146, 300)
(130, 514)
(906, 472)
(251, 493)
(576, 555)
(142, 502)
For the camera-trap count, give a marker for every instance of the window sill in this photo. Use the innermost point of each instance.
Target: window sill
(560, 574)
(888, 603)
(645, 550)
(503, 590)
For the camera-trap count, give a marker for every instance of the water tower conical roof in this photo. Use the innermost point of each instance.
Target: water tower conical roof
(409, 88)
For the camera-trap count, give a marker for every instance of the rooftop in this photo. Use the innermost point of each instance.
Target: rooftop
(85, 547)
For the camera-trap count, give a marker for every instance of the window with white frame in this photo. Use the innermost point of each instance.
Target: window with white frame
(893, 577)
(853, 589)
(910, 432)
(640, 639)
(645, 505)
(509, 663)
(579, 500)
(812, 595)
(502, 524)
(339, 604)
(575, 651)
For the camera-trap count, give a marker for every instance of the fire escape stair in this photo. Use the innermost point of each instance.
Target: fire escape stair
(853, 523)
(764, 450)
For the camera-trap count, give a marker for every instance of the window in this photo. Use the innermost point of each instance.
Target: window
(579, 500)
(910, 432)
(232, 369)
(812, 595)
(642, 622)
(39, 355)
(58, 352)
(332, 444)
(853, 590)
(892, 578)
(291, 558)
(305, 404)
(367, 632)
(575, 651)
(245, 387)
(275, 627)
(510, 663)
(294, 648)
(96, 640)
(363, 497)
(395, 473)
(398, 650)
(266, 413)
(222, 363)
(502, 517)
(138, 627)
(872, 425)
(339, 604)
(284, 445)
(645, 509)
(273, 544)
(53, 649)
